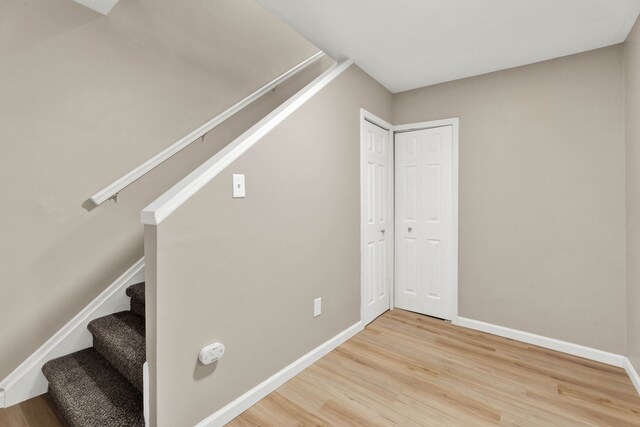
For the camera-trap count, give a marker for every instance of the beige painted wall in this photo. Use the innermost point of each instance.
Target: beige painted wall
(542, 195)
(632, 120)
(245, 272)
(84, 99)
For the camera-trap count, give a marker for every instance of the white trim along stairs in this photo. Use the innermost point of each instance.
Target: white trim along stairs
(27, 380)
(171, 200)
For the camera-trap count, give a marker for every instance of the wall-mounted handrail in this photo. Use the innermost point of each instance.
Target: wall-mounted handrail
(111, 191)
(173, 198)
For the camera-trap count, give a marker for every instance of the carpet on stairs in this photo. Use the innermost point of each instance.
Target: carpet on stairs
(102, 385)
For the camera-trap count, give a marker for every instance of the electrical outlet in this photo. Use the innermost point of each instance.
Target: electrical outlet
(317, 307)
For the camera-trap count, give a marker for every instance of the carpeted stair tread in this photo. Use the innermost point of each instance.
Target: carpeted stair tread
(136, 292)
(120, 339)
(89, 392)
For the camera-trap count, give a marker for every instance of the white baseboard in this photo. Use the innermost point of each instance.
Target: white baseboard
(242, 403)
(27, 380)
(546, 342)
(633, 374)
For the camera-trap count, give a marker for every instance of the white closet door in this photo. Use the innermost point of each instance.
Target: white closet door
(377, 211)
(424, 221)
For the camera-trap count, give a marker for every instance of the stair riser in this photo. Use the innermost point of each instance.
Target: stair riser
(132, 373)
(59, 407)
(137, 307)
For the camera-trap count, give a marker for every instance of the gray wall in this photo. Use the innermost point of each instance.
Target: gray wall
(632, 73)
(85, 98)
(542, 195)
(245, 272)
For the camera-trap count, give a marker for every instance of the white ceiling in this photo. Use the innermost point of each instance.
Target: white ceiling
(406, 44)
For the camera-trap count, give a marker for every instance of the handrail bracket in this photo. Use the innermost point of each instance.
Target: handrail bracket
(111, 191)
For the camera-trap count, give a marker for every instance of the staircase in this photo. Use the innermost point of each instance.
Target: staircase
(102, 385)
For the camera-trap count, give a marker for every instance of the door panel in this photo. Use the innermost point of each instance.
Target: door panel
(377, 228)
(371, 273)
(424, 221)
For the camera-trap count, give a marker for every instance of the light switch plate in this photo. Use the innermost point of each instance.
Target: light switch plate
(238, 186)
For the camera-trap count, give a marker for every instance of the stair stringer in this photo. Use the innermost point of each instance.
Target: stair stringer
(27, 380)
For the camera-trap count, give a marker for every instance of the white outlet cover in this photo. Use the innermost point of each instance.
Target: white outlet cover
(317, 307)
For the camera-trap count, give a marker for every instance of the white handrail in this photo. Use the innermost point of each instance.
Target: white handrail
(111, 191)
(171, 200)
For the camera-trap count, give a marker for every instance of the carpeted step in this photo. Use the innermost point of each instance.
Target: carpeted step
(136, 292)
(120, 339)
(89, 392)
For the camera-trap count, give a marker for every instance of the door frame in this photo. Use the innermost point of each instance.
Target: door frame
(455, 124)
(366, 116)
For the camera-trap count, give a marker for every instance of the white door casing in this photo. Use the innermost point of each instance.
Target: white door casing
(426, 221)
(376, 216)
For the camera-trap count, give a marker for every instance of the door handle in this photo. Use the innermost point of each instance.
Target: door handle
(410, 229)
(382, 231)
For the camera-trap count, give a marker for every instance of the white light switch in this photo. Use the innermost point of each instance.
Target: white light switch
(317, 307)
(238, 186)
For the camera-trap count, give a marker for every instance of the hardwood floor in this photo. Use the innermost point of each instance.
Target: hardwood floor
(411, 370)
(36, 412)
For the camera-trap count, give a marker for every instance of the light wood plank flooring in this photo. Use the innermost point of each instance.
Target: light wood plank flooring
(36, 412)
(411, 370)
